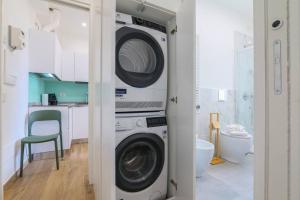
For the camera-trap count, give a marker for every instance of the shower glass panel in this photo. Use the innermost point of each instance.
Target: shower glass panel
(244, 85)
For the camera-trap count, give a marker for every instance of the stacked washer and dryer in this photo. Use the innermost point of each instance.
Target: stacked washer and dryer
(141, 95)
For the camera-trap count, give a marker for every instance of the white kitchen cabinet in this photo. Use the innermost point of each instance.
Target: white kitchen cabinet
(44, 53)
(80, 122)
(68, 66)
(81, 67)
(51, 127)
(70, 125)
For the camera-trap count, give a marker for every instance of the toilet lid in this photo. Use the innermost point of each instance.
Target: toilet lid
(242, 136)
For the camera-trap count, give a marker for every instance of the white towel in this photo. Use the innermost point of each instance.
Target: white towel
(234, 127)
(238, 133)
(236, 130)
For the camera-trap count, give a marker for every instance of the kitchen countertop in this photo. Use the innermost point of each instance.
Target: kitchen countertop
(63, 104)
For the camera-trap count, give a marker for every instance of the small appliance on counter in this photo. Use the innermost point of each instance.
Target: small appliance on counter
(49, 99)
(45, 101)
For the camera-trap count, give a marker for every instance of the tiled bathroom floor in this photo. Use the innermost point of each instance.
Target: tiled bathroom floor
(227, 181)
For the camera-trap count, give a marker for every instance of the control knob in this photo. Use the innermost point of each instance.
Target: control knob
(139, 123)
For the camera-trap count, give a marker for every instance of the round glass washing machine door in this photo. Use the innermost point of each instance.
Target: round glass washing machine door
(139, 57)
(139, 161)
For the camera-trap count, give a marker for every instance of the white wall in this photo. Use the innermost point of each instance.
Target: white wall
(217, 22)
(172, 5)
(14, 105)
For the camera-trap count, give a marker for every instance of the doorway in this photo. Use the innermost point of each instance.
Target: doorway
(225, 99)
(49, 74)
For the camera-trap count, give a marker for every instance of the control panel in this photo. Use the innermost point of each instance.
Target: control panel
(145, 23)
(156, 121)
(126, 124)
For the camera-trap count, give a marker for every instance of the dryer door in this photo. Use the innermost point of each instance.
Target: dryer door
(139, 57)
(139, 161)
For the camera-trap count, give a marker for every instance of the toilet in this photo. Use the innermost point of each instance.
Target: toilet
(205, 152)
(235, 143)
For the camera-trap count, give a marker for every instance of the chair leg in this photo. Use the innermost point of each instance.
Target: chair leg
(29, 151)
(22, 158)
(56, 154)
(61, 147)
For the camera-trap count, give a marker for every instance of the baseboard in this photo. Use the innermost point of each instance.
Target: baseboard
(79, 141)
(15, 176)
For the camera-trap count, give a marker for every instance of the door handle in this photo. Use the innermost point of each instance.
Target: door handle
(173, 99)
(277, 67)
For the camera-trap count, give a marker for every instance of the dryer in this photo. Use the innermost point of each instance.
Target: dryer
(141, 65)
(141, 157)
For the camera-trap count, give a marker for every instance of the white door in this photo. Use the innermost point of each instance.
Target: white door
(182, 113)
(277, 92)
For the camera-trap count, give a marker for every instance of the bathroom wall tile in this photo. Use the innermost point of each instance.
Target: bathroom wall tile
(208, 100)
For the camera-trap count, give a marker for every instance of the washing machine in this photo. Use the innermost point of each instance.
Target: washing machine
(141, 157)
(141, 65)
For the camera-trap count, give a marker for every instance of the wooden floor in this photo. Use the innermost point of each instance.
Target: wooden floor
(41, 180)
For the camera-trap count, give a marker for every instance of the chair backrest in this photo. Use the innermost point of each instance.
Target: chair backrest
(44, 115)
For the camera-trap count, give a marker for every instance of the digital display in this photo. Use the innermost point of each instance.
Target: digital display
(120, 92)
(156, 121)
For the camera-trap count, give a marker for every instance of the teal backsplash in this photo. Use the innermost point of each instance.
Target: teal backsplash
(65, 91)
(36, 88)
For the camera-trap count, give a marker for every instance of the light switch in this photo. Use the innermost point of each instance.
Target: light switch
(222, 95)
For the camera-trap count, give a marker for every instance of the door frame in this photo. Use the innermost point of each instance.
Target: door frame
(102, 98)
(272, 128)
(294, 140)
(1, 64)
(259, 99)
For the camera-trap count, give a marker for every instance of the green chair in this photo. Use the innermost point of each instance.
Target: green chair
(44, 115)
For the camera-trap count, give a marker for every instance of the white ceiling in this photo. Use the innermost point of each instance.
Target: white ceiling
(71, 17)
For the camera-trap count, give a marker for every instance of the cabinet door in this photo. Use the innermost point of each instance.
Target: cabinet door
(70, 126)
(81, 67)
(182, 119)
(41, 52)
(80, 122)
(58, 59)
(68, 66)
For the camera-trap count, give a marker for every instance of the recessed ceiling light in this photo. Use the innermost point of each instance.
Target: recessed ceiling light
(84, 24)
